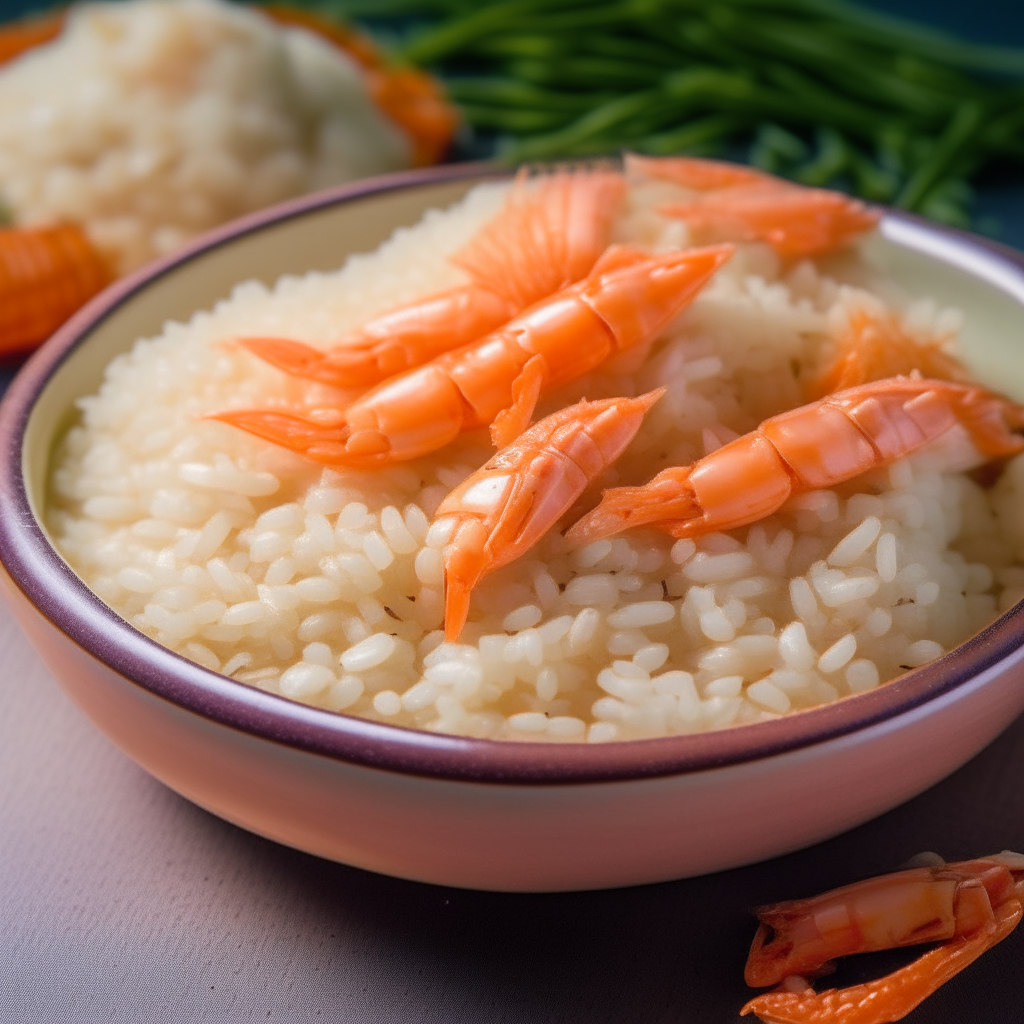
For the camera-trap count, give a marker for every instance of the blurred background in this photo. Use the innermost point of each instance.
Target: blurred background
(129, 128)
(894, 100)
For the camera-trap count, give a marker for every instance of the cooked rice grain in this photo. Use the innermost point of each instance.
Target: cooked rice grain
(326, 586)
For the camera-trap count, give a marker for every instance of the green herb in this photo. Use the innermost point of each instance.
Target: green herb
(822, 91)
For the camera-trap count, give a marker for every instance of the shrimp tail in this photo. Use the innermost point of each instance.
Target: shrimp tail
(319, 441)
(294, 357)
(546, 236)
(668, 497)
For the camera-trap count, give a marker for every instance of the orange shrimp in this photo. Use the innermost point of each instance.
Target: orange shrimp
(969, 906)
(815, 446)
(45, 275)
(546, 237)
(504, 508)
(624, 303)
(743, 205)
(695, 172)
(873, 346)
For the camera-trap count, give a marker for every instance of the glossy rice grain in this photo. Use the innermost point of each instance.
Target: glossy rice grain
(326, 585)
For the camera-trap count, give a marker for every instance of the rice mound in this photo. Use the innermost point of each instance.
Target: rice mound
(151, 121)
(325, 585)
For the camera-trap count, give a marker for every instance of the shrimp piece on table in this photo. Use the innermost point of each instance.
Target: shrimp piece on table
(743, 205)
(548, 235)
(815, 446)
(504, 508)
(874, 346)
(45, 275)
(968, 906)
(624, 303)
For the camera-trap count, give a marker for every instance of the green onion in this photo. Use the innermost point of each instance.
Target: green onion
(962, 130)
(822, 91)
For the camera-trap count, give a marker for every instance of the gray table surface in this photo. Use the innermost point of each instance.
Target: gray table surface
(122, 902)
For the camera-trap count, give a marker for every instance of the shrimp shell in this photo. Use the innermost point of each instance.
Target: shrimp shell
(814, 446)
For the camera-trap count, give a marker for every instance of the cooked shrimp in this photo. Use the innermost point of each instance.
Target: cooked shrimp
(815, 446)
(969, 906)
(695, 172)
(624, 303)
(45, 275)
(547, 236)
(874, 346)
(742, 205)
(505, 507)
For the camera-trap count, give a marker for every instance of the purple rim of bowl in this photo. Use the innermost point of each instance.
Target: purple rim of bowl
(49, 583)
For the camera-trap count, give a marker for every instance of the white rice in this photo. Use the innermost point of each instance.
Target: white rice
(150, 121)
(326, 585)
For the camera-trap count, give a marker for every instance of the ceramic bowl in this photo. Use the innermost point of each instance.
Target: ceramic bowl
(466, 812)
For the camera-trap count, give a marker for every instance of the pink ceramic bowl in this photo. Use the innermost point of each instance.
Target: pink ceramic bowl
(479, 813)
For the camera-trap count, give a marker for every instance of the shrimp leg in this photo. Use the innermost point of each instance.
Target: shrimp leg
(873, 346)
(546, 237)
(504, 508)
(553, 342)
(815, 446)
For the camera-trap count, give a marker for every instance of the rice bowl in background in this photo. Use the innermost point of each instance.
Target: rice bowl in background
(149, 122)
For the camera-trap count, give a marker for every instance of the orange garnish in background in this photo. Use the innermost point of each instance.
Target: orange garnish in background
(20, 36)
(45, 275)
(414, 100)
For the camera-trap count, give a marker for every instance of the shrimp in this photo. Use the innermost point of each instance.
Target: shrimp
(695, 172)
(814, 446)
(873, 346)
(45, 275)
(545, 238)
(744, 205)
(969, 906)
(504, 508)
(624, 303)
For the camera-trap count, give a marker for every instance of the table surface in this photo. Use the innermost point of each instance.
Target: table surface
(120, 901)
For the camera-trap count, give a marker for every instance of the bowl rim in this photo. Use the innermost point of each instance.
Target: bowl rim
(48, 582)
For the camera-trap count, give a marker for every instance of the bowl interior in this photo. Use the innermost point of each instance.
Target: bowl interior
(318, 234)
